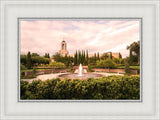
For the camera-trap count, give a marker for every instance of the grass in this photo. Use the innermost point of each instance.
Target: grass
(28, 77)
(132, 67)
(135, 67)
(32, 70)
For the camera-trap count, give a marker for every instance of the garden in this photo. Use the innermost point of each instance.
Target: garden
(122, 85)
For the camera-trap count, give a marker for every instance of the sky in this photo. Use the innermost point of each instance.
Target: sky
(45, 36)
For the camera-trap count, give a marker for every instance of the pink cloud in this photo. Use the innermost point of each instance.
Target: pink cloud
(96, 36)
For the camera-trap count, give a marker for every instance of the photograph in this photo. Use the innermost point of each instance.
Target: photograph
(79, 59)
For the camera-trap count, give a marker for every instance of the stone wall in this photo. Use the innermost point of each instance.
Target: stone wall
(41, 72)
(121, 71)
(76, 67)
(114, 70)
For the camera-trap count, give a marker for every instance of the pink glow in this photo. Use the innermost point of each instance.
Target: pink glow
(96, 36)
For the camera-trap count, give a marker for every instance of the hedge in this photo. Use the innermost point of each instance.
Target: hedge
(108, 88)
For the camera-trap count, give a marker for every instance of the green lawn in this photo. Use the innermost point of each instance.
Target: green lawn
(132, 67)
(32, 70)
(135, 67)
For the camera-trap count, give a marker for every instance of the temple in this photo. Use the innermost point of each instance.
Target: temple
(63, 50)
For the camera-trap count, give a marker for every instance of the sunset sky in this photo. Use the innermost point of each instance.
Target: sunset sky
(93, 35)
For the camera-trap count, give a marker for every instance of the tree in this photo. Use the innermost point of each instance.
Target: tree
(120, 56)
(23, 59)
(84, 57)
(35, 54)
(79, 57)
(130, 57)
(75, 58)
(89, 68)
(46, 55)
(108, 63)
(95, 57)
(135, 48)
(116, 60)
(110, 55)
(39, 60)
(121, 61)
(105, 56)
(34, 70)
(98, 56)
(67, 60)
(22, 67)
(127, 69)
(57, 57)
(87, 57)
(28, 59)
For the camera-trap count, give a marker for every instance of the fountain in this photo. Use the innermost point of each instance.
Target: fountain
(80, 73)
(80, 70)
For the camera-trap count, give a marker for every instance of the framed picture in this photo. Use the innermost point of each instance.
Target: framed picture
(79, 60)
(82, 63)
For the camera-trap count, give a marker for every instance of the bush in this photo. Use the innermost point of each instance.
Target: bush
(90, 68)
(57, 64)
(108, 63)
(34, 70)
(22, 67)
(22, 73)
(127, 69)
(109, 88)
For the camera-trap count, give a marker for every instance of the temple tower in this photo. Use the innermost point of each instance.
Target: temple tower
(63, 50)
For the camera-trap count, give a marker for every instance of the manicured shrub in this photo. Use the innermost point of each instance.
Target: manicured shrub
(106, 88)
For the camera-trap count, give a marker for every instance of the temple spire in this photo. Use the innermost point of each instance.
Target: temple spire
(63, 50)
(63, 39)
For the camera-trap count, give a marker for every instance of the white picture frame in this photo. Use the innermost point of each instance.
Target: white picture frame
(140, 21)
(11, 108)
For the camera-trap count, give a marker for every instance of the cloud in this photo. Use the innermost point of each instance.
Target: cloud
(92, 35)
(99, 36)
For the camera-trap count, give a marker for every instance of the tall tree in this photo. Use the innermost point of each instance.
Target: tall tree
(48, 55)
(75, 58)
(79, 57)
(110, 55)
(120, 56)
(84, 57)
(87, 57)
(98, 56)
(95, 57)
(28, 60)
